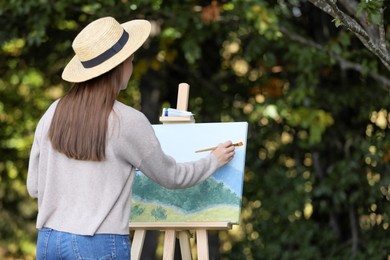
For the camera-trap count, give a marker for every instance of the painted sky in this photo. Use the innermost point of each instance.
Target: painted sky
(182, 140)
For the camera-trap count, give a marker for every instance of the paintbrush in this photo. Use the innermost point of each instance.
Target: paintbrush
(213, 148)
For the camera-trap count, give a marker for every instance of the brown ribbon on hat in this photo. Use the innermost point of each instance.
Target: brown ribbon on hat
(108, 53)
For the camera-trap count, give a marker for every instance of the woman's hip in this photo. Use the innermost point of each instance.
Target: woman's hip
(53, 244)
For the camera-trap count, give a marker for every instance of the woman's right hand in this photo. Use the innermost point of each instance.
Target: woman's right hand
(224, 152)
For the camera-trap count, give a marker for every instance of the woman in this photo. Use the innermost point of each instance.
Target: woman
(87, 146)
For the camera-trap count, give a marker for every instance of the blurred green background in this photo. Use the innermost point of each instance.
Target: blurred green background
(316, 98)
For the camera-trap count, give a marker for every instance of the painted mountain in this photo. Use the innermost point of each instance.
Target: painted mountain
(216, 199)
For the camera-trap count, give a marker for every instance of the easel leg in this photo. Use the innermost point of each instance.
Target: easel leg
(137, 244)
(185, 246)
(202, 244)
(169, 244)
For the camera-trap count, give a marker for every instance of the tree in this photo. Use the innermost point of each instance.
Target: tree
(315, 98)
(159, 213)
(365, 19)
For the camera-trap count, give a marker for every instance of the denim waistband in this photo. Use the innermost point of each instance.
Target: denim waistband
(53, 244)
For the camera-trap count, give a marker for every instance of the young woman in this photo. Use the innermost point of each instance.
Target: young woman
(87, 146)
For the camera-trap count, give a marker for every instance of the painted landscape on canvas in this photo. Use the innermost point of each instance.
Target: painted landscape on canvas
(216, 199)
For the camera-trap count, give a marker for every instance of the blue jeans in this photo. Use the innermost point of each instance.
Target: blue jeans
(54, 244)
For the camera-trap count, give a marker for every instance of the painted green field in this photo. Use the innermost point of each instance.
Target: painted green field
(218, 213)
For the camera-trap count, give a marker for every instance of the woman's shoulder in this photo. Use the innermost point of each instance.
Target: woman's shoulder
(132, 121)
(50, 110)
(128, 112)
(119, 106)
(44, 121)
(53, 105)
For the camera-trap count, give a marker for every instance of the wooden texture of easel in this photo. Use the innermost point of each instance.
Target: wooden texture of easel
(177, 229)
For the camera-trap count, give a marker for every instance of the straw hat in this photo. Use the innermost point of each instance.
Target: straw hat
(102, 45)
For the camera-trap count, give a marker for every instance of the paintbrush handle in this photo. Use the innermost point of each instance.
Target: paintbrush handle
(215, 147)
(205, 150)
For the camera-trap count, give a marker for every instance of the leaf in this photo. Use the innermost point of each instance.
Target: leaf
(337, 22)
(191, 50)
(344, 39)
(375, 18)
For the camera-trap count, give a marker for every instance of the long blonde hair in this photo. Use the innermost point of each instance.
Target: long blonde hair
(80, 122)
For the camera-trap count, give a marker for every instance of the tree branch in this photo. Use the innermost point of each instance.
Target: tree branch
(323, 6)
(354, 230)
(382, 33)
(352, 9)
(344, 64)
(330, 7)
(348, 21)
(317, 166)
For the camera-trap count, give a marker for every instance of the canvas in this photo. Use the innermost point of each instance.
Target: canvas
(216, 199)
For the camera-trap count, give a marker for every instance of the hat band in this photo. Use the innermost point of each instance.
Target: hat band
(108, 53)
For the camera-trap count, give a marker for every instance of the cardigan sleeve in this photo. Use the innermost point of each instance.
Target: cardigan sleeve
(143, 150)
(33, 166)
(164, 170)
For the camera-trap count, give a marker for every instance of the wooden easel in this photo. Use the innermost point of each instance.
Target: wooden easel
(174, 229)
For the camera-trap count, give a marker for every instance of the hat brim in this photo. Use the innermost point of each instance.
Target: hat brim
(138, 31)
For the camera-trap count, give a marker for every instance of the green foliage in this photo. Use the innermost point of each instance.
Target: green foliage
(337, 22)
(372, 10)
(137, 210)
(159, 213)
(318, 155)
(207, 193)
